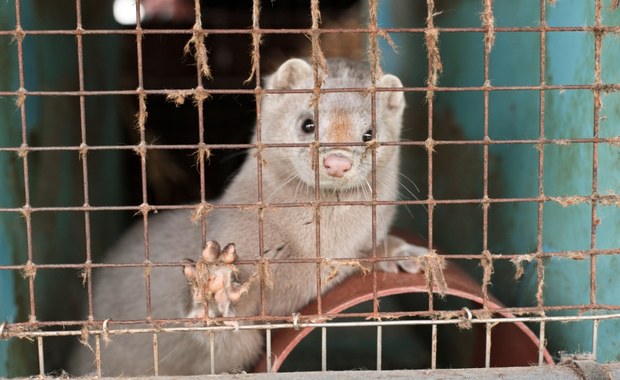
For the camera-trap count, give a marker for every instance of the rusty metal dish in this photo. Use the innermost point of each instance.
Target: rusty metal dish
(512, 344)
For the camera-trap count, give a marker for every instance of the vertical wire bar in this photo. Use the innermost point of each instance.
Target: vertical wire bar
(200, 98)
(83, 154)
(258, 91)
(595, 324)
(212, 351)
(541, 155)
(430, 91)
(155, 355)
(98, 355)
(268, 349)
(488, 268)
(41, 358)
(143, 153)
(541, 344)
(487, 345)
(598, 41)
(434, 347)
(379, 347)
(430, 5)
(24, 155)
(316, 17)
(374, 67)
(324, 349)
(201, 142)
(487, 261)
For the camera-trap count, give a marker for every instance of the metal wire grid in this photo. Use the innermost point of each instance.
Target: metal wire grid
(101, 329)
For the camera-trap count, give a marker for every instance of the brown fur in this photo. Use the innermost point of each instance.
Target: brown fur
(340, 128)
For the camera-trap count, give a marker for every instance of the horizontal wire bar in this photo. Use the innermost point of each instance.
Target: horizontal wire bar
(563, 199)
(85, 148)
(571, 254)
(250, 91)
(435, 314)
(248, 31)
(8, 333)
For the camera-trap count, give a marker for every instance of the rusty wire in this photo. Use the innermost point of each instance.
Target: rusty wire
(309, 31)
(541, 119)
(34, 328)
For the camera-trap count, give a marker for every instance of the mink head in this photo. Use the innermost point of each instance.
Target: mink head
(342, 119)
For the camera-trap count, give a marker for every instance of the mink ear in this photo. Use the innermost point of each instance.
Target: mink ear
(291, 74)
(394, 101)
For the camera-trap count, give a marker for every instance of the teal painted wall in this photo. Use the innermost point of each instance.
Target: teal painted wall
(50, 64)
(568, 171)
(11, 188)
(513, 169)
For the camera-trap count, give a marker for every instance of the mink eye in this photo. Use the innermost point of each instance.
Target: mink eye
(307, 126)
(367, 136)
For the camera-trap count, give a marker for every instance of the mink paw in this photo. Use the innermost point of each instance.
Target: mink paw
(397, 247)
(213, 282)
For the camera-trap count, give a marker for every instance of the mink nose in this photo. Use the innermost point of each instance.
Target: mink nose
(337, 164)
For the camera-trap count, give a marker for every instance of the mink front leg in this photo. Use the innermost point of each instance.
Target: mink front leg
(215, 291)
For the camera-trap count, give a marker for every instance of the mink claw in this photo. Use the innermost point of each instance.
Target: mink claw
(213, 282)
(229, 254)
(189, 269)
(211, 251)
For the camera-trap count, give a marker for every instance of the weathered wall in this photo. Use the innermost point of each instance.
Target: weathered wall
(513, 168)
(51, 64)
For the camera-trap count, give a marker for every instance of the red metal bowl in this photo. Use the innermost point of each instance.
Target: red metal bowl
(512, 344)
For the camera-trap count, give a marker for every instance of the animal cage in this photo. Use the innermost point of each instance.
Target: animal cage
(113, 112)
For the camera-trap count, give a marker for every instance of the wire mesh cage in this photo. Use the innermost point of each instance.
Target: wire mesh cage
(281, 127)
